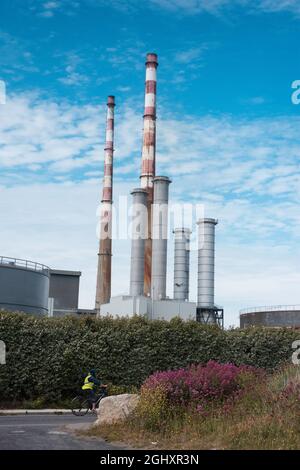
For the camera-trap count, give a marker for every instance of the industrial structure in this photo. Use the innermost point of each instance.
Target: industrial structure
(181, 263)
(63, 293)
(207, 312)
(51, 292)
(103, 289)
(34, 288)
(148, 264)
(30, 287)
(24, 286)
(148, 158)
(272, 316)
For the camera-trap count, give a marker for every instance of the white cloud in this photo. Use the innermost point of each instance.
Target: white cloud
(49, 8)
(189, 55)
(72, 76)
(14, 56)
(255, 100)
(280, 5)
(190, 7)
(217, 6)
(37, 131)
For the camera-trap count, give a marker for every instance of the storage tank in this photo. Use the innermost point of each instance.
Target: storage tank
(271, 316)
(24, 286)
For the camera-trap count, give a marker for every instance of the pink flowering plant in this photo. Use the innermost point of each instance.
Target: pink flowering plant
(199, 385)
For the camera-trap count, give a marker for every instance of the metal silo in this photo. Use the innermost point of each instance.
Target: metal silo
(24, 286)
(274, 316)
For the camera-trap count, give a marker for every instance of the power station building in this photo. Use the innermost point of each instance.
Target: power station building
(63, 293)
(148, 262)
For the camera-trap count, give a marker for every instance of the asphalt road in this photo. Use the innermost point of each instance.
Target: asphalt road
(46, 432)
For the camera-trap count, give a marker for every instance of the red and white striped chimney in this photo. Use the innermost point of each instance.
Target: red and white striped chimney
(148, 156)
(103, 289)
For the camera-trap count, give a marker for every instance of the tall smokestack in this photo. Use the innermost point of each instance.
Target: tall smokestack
(148, 156)
(181, 263)
(206, 270)
(103, 290)
(139, 233)
(160, 237)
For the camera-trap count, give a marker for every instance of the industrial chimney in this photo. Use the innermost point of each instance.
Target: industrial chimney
(160, 237)
(148, 156)
(139, 234)
(181, 263)
(206, 310)
(103, 289)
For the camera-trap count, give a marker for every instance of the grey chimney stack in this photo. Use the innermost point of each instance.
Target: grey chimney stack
(206, 268)
(160, 237)
(139, 235)
(181, 263)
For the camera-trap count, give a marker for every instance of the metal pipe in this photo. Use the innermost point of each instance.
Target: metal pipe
(139, 234)
(181, 263)
(206, 264)
(103, 289)
(148, 155)
(160, 237)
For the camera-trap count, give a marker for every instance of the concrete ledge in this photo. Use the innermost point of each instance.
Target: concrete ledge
(35, 412)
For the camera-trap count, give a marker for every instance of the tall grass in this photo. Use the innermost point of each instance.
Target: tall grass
(262, 412)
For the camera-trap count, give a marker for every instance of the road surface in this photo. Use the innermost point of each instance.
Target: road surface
(46, 432)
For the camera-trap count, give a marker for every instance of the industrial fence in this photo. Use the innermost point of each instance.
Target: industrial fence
(270, 308)
(23, 263)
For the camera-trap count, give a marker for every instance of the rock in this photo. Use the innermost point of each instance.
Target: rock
(116, 408)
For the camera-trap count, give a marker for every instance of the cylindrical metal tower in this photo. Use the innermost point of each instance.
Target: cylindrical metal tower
(139, 235)
(24, 286)
(181, 263)
(148, 155)
(160, 237)
(206, 269)
(273, 316)
(103, 289)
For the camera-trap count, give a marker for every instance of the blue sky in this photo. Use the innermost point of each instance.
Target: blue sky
(228, 132)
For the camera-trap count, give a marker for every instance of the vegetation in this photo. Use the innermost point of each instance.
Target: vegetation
(234, 408)
(46, 357)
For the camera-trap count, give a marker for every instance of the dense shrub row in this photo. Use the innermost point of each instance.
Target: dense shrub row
(46, 357)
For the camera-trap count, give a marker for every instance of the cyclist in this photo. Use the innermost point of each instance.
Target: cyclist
(89, 385)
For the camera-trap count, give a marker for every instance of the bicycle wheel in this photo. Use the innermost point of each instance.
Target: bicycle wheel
(80, 406)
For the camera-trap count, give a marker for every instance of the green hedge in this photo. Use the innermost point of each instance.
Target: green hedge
(46, 357)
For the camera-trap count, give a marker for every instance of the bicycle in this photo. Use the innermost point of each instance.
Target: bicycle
(81, 404)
